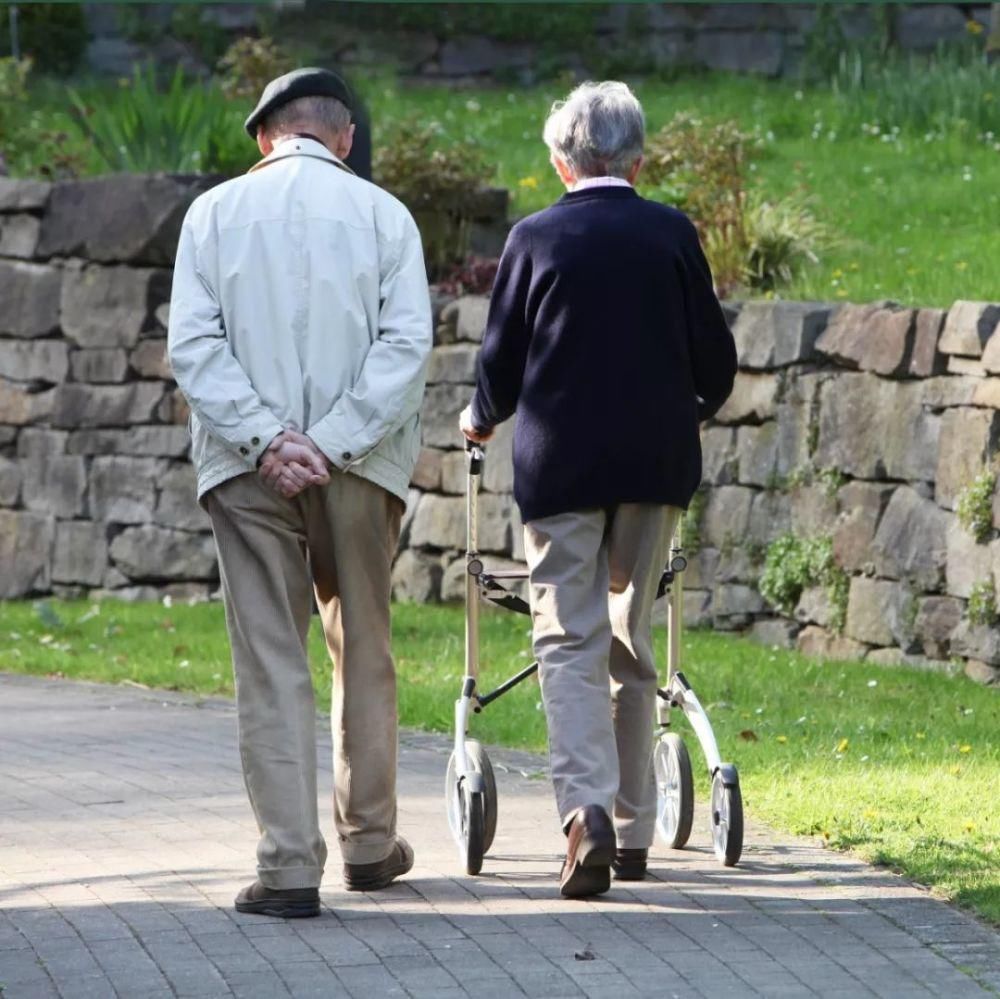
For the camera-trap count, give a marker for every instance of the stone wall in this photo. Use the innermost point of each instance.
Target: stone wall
(860, 424)
(766, 38)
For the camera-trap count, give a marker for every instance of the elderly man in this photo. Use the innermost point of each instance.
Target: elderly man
(299, 332)
(605, 334)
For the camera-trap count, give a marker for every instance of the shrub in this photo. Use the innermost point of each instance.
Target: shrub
(782, 239)
(183, 129)
(975, 506)
(793, 563)
(982, 608)
(437, 182)
(52, 35)
(249, 64)
(475, 276)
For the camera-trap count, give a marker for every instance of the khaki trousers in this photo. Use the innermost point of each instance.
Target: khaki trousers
(593, 581)
(338, 541)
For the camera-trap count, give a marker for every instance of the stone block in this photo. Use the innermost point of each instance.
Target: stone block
(442, 405)
(873, 428)
(23, 195)
(969, 367)
(737, 565)
(454, 473)
(54, 484)
(439, 523)
(968, 327)
(177, 504)
(757, 52)
(81, 553)
(110, 306)
(727, 516)
(149, 360)
(718, 455)
(814, 606)
(498, 469)
(770, 517)
(757, 448)
(697, 609)
(94, 441)
(25, 553)
(34, 360)
(10, 482)
(968, 445)
(453, 363)
(818, 643)
(101, 365)
(702, 569)
(473, 55)
(754, 399)
(911, 540)
(140, 217)
(861, 506)
(427, 471)
(775, 334)
(19, 405)
(986, 393)
(967, 563)
(19, 236)
(123, 490)
(926, 359)
(774, 632)
(413, 497)
(35, 441)
(937, 618)
(416, 577)
(983, 673)
(174, 408)
(156, 441)
(79, 405)
(944, 391)
(159, 554)
(877, 338)
(976, 641)
(991, 354)
(736, 601)
(926, 26)
(813, 510)
(30, 296)
(881, 612)
(464, 319)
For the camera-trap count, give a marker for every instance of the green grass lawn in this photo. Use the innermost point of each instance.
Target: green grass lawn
(900, 766)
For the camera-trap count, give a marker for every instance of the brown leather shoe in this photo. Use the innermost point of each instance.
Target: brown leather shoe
(381, 874)
(629, 865)
(591, 848)
(288, 903)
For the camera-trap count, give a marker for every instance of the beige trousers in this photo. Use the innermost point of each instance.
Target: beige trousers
(594, 575)
(338, 541)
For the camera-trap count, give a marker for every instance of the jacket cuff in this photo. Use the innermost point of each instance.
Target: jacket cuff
(253, 439)
(339, 450)
(479, 422)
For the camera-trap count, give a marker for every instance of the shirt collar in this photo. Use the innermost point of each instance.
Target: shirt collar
(297, 145)
(587, 182)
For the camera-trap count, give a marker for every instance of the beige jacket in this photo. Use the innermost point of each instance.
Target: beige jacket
(300, 300)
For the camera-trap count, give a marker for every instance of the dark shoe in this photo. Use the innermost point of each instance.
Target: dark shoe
(381, 874)
(630, 865)
(589, 853)
(288, 903)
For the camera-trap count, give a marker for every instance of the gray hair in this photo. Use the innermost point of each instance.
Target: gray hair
(325, 114)
(598, 130)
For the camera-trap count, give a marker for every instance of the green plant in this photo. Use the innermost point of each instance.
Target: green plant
(437, 181)
(982, 607)
(52, 35)
(691, 522)
(793, 563)
(975, 506)
(249, 64)
(782, 239)
(189, 23)
(832, 479)
(700, 167)
(184, 128)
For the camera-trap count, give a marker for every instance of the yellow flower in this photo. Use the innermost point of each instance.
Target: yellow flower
(954, 770)
(841, 293)
(842, 746)
(782, 738)
(838, 272)
(966, 748)
(961, 265)
(973, 27)
(854, 266)
(870, 813)
(970, 827)
(921, 735)
(529, 182)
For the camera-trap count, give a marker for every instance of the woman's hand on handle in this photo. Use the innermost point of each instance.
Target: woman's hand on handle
(470, 430)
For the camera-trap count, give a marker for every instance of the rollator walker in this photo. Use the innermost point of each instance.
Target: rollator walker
(470, 786)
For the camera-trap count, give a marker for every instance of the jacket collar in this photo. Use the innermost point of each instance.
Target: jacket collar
(615, 193)
(296, 145)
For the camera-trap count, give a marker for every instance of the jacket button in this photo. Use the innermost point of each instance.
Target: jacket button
(255, 441)
(346, 456)
(244, 450)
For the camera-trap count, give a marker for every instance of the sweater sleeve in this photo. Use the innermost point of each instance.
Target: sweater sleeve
(501, 361)
(710, 343)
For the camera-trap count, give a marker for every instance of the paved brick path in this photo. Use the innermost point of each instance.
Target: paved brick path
(124, 835)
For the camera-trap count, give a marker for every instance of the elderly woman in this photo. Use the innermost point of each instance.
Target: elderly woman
(606, 337)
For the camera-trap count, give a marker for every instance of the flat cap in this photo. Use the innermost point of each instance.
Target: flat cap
(307, 82)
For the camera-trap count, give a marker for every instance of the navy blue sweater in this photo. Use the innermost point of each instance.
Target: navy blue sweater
(605, 335)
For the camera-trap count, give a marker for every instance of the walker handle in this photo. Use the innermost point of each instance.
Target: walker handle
(477, 454)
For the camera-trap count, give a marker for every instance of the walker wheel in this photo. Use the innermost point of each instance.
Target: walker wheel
(472, 816)
(674, 790)
(727, 819)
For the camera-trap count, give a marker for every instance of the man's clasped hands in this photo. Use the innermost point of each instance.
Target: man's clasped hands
(293, 462)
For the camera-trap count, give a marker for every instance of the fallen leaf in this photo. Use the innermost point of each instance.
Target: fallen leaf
(748, 735)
